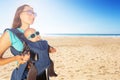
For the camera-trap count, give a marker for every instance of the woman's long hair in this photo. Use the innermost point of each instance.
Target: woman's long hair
(17, 20)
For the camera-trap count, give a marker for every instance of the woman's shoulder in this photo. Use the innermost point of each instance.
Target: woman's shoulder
(5, 35)
(9, 35)
(13, 39)
(5, 38)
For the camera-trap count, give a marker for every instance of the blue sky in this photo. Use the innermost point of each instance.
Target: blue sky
(67, 16)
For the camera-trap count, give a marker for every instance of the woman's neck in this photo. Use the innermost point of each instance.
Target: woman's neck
(24, 27)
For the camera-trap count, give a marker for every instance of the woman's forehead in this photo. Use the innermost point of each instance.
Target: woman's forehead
(27, 8)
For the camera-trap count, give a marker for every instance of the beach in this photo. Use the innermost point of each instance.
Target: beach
(80, 58)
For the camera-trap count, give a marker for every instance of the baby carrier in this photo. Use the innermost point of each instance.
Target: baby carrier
(39, 48)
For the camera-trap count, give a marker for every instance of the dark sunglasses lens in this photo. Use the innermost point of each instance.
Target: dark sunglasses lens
(37, 33)
(32, 35)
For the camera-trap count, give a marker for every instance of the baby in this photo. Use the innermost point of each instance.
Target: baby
(34, 36)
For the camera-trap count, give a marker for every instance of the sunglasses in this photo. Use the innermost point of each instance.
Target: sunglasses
(30, 12)
(33, 35)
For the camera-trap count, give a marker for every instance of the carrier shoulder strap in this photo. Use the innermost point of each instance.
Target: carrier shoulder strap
(19, 35)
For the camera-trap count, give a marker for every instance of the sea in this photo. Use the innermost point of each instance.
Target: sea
(81, 35)
(85, 35)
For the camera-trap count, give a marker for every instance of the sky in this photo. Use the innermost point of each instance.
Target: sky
(67, 16)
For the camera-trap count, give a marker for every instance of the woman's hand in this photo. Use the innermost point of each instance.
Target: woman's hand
(26, 57)
(23, 58)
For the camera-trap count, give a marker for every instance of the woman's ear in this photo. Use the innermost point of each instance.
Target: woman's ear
(20, 16)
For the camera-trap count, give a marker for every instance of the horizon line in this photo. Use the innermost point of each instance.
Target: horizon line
(82, 33)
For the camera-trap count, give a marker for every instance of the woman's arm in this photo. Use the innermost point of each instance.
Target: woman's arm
(4, 45)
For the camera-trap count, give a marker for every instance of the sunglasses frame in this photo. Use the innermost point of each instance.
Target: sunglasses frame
(30, 12)
(33, 35)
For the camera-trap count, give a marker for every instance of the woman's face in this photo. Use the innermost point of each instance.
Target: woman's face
(27, 16)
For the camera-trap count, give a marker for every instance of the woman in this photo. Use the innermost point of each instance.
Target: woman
(24, 17)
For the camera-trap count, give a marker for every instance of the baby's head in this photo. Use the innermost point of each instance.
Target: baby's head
(32, 35)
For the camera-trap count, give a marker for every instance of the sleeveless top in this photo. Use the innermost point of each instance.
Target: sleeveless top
(15, 41)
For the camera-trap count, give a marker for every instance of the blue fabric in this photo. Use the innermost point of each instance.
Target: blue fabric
(40, 48)
(17, 74)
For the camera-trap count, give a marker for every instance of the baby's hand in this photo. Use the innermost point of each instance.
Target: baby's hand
(52, 50)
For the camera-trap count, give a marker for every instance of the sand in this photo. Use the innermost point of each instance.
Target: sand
(80, 58)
